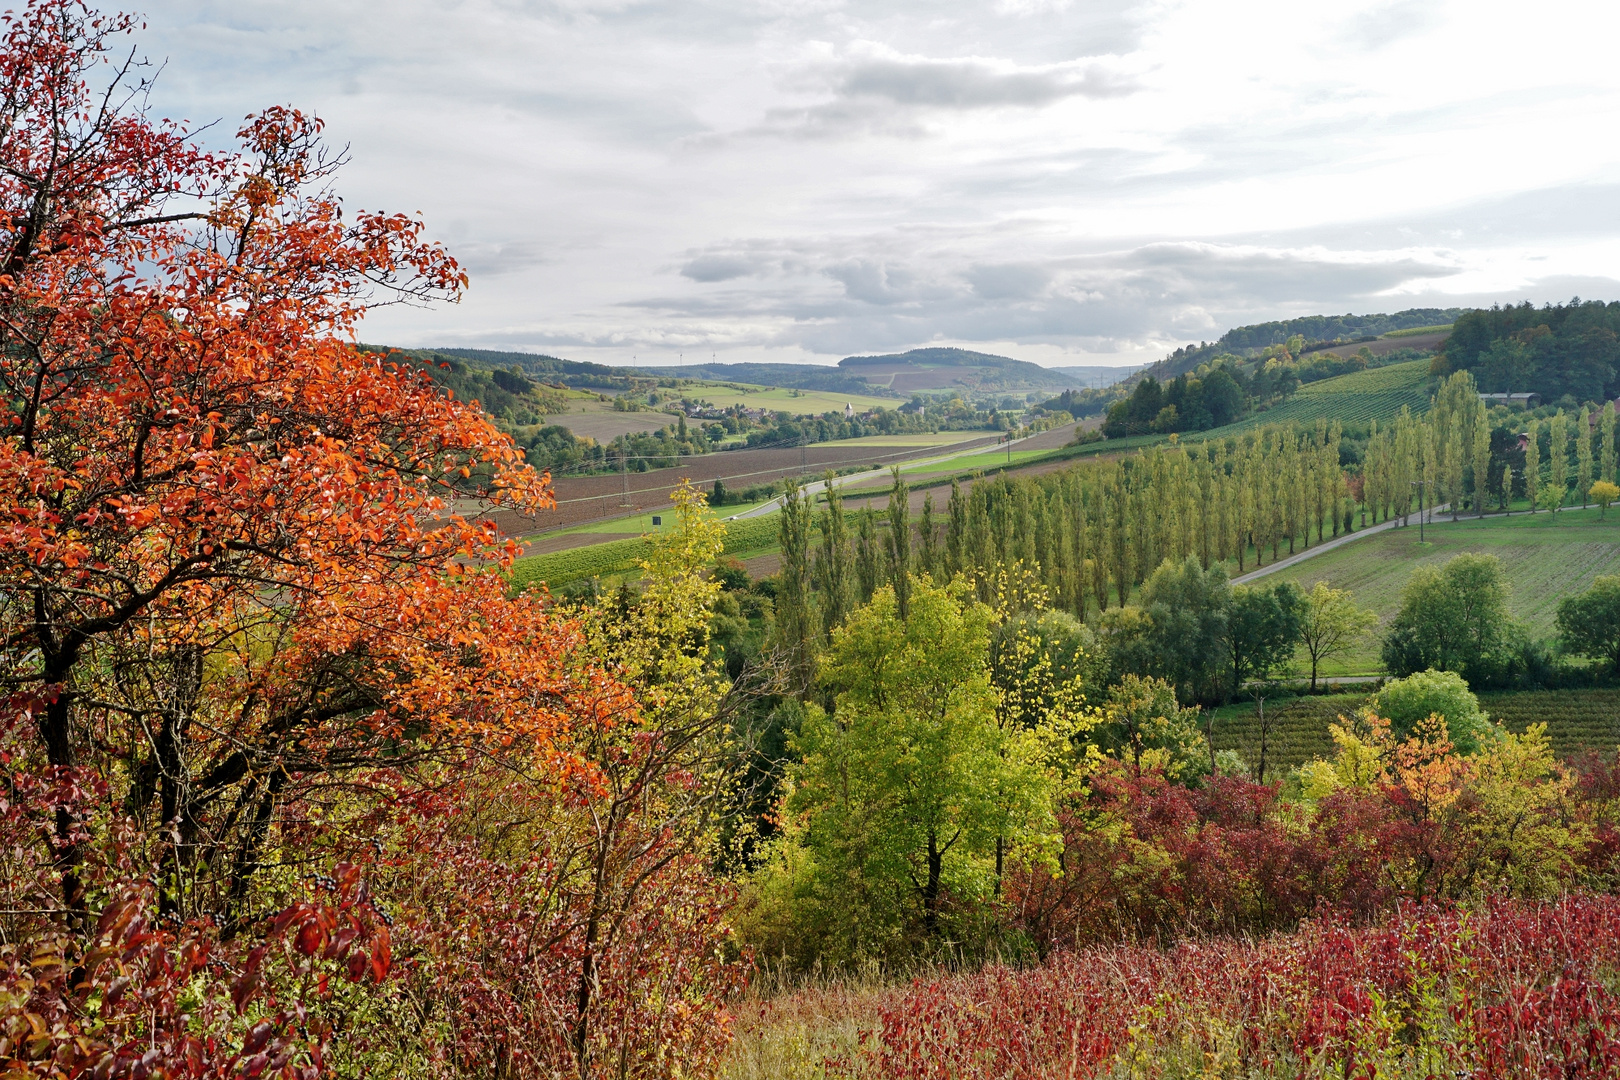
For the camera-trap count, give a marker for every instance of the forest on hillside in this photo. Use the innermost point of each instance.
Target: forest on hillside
(1567, 353)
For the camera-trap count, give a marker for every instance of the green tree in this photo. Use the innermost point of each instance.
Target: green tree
(1407, 702)
(1583, 455)
(1532, 463)
(899, 542)
(869, 560)
(1262, 629)
(1589, 623)
(928, 541)
(835, 569)
(1558, 456)
(1145, 725)
(1482, 462)
(1186, 607)
(1454, 618)
(902, 791)
(1603, 493)
(1606, 462)
(794, 633)
(1331, 624)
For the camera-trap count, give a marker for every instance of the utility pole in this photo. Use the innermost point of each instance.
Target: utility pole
(1419, 484)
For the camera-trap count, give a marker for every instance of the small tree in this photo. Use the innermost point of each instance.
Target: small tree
(1604, 493)
(1452, 619)
(1590, 622)
(1262, 628)
(1331, 625)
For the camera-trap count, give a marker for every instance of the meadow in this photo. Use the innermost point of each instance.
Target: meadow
(1356, 399)
(1545, 557)
(785, 399)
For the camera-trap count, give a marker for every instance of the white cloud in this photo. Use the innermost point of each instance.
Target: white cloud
(765, 179)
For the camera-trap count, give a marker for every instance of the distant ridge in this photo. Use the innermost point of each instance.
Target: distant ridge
(946, 368)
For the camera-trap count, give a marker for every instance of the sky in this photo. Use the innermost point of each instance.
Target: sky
(1067, 182)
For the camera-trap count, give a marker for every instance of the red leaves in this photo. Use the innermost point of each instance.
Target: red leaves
(1510, 991)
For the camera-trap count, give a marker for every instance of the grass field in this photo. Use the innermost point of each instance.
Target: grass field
(1578, 722)
(922, 438)
(1545, 557)
(779, 399)
(1356, 398)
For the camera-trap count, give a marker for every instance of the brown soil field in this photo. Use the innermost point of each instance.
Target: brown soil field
(581, 499)
(1389, 345)
(604, 425)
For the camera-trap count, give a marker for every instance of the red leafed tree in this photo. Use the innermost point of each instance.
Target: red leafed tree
(240, 606)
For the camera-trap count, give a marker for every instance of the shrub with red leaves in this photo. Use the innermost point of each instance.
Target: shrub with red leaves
(1508, 990)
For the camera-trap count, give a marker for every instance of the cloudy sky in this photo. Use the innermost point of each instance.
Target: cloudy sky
(1063, 181)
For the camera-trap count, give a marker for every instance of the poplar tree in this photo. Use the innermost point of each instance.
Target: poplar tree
(928, 547)
(1120, 516)
(1482, 460)
(900, 543)
(1558, 455)
(955, 530)
(1583, 454)
(1453, 479)
(1532, 463)
(1606, 458)
(793, 616)
(834, 562)
(868, 554)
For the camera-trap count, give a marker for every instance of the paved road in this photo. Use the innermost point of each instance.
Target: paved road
(851, 479)
(1283, 564)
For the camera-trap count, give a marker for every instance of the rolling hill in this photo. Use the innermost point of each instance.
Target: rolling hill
(945, 369)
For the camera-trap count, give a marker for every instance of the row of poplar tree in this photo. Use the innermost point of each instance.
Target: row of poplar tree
(1092, 533)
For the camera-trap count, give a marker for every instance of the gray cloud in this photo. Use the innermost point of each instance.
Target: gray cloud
(975, 84)
(817, 178)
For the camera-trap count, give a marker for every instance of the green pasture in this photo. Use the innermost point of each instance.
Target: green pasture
(1544, 556)
(619, 557)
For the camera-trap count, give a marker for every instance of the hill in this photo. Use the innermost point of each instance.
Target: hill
(1545, 556)
(816, 377)
(1319, 331)
(937, 369)
(1096, 376)
(1356, 398)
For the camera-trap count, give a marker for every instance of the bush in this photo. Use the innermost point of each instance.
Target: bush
(1407, 702)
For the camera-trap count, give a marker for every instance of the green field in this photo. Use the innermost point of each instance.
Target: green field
(988, 459)
(1355, 398)
(921, 438)
(1578, 722)
(1545, 556)
(618, 557)
(779, 399)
